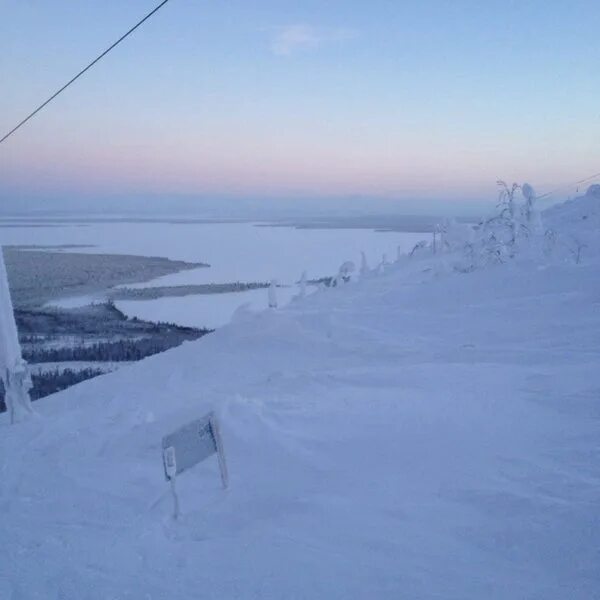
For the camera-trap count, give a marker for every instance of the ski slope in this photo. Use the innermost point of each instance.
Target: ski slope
(420, 433)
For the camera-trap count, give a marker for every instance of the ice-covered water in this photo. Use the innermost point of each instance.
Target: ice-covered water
(208, 310)
(246, 252)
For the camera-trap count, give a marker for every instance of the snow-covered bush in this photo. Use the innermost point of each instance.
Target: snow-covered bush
(344, 273)
(496, 238)
(516, 228)
(420, 249)
(458, 234)
(450, 235)
(593, 191)
(506, 221)
(570, 230)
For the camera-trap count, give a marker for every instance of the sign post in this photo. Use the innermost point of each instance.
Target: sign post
(189, 445)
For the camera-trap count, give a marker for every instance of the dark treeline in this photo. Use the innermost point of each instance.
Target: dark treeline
(98, 319)
(49, 382)
(327, 281)
(177, 291)
(114, 351)
(99, 333)
(95, 333)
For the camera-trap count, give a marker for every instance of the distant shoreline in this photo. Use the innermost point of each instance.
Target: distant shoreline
(378, 222)
(177, 291)
(39, 275)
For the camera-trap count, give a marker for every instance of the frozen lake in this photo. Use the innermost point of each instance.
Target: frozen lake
(245, 252)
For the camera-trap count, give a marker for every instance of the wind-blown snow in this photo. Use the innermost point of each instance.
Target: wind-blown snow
(421, 433)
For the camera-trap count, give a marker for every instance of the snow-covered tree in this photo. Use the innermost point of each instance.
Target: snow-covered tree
(13, 369)
(303, 285)
(496, 236)
(529, 195)
(576, 246)
(344, 272)
(418, 249)
(508, 213)
(273, 294)
(383, 264)
(593, 190)
(399, 254)
(442, 230)
(530, 216)
(550, 237)
(364, 265)
(434, 242)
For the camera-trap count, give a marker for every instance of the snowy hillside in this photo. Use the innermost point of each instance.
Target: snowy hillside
(430, 431)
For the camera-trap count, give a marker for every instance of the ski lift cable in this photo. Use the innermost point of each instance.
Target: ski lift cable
(567, 186)
(64, 87)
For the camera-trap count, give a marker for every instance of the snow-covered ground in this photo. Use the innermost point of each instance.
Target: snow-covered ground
(421, 433)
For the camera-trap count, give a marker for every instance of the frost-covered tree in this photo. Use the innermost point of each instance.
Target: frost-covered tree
(494, 250)
(530, 216)
(383, 264)
(497, 235)
(508, 214)
(576, 247)
(344, 273)
(303, 285)
(418, 249)
(13, 369)
(273, 294)
(364, 265)
(470, 258)
(593, 190)
(550, 238)
(529, 195)
(434, 242)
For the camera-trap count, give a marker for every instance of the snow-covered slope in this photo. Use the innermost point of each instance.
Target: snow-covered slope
(421, 433)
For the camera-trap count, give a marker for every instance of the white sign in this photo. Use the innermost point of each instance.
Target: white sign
(189, 445)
